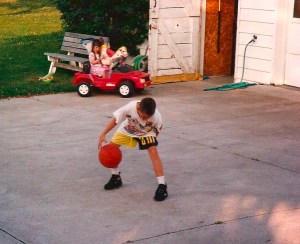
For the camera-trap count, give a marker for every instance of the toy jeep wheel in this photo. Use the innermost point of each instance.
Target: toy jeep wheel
(84, 89)
(126, 89)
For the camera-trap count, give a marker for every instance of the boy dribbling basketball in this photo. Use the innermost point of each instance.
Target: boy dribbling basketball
(140, 123)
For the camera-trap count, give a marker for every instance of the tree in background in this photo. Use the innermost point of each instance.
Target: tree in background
(125, 22)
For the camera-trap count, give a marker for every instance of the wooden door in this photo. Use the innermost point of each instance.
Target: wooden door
(174, 40)
(220, 28)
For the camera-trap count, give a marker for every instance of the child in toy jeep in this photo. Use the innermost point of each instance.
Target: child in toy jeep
(122, 79)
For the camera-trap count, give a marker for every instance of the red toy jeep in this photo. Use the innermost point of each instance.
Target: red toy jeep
(126, 84)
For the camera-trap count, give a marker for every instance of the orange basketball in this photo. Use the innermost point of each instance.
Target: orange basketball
(110, 156)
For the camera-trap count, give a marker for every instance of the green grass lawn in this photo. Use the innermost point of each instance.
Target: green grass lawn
(28, 29)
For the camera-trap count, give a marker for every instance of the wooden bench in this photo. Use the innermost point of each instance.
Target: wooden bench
(75, 46)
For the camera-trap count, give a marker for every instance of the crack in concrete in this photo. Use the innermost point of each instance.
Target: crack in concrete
(206, 225)
(12, 236)
(237, 154)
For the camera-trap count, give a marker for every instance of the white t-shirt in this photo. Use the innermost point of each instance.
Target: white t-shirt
(131, 124)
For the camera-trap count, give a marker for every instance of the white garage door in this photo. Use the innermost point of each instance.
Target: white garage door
(292, 70)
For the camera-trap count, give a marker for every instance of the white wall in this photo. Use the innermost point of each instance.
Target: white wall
(256, 17)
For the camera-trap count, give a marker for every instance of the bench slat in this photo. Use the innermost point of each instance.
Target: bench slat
(82, 36)
(71, 39)
(74, 50)
(79, 40)
(73, 44)
(68, 66)
(64, 57)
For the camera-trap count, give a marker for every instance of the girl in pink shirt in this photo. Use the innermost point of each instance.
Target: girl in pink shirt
(95, 59)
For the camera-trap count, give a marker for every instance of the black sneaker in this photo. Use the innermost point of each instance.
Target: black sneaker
(114, 182)
(161, 192)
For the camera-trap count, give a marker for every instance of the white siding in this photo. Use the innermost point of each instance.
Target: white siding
(258, 4)
(256, 17)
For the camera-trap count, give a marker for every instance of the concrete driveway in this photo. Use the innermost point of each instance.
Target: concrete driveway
(232, 164)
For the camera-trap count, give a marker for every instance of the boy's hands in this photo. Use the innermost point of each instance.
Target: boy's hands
(108, 128)
(101, 140)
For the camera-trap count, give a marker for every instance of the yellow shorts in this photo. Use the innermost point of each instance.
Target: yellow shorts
(124, 140)
(128, 141)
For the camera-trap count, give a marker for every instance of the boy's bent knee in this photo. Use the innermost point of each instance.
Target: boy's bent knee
(153, 151)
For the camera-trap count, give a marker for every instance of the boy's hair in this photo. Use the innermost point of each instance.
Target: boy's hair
(148, 105)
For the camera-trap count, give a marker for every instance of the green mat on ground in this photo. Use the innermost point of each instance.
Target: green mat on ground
(239, 85)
